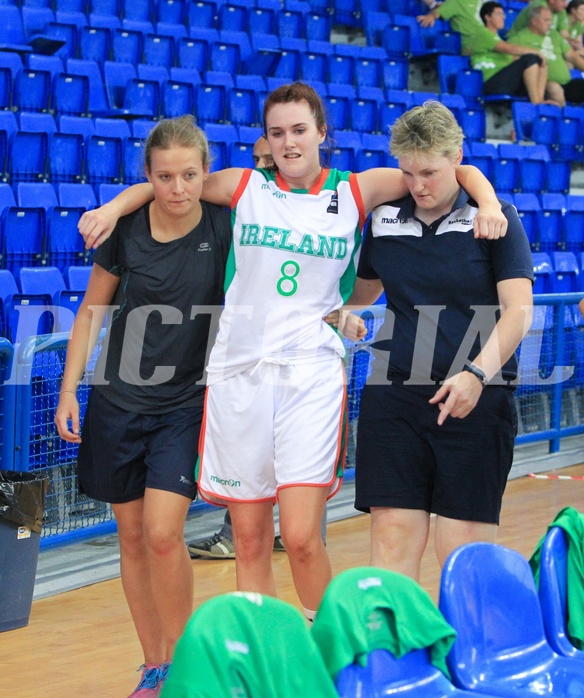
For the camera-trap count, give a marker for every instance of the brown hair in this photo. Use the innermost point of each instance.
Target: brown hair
(181, 132)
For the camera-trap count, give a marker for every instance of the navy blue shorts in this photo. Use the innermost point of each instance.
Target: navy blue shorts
(122, 453)
(405, 460)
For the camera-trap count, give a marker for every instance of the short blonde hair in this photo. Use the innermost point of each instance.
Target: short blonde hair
(430, 129)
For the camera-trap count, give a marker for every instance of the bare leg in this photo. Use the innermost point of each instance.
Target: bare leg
(136, 582)
(398, 539)
(171, 571)
(253, 535)
(451, 534)
(301, 512)
(555, 92)
(535, 86)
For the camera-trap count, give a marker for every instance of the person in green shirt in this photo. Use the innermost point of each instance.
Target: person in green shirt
(561, 87)
(507, 68)
(559, 17)
(575, 12)
(463, 16)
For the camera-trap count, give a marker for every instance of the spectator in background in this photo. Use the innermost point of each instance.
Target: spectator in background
(576, 24)
(538, 35)
(507, 68)
(559, 17)
(463, 16)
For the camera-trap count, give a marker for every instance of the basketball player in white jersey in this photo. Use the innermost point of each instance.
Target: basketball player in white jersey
(274, 416)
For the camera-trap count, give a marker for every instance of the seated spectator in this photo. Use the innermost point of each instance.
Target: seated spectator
(463, 16)
(559, 17)
(575, 11)
(538, 35)
(507, 68)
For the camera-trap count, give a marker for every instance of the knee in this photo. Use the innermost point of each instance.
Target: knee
(252, 548)
(163, 541)
(301, 545)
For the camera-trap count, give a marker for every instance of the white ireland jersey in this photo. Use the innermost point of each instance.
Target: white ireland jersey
(293, 261)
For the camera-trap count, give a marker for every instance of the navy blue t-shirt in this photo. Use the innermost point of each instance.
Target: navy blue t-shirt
(440, 284)
(177, 276)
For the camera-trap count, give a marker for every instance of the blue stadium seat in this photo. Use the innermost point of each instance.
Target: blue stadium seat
(37, 280)
(77, 195)
(551, 222)
(344, 150)
(78, 278)
(6, 196)
(396, 73)
(23, 232)
(291, 23)
(397, 102)
(51, 63)
(159, 73)
(369, 66)
(24, 316)
(29, 159)
(127, 46)
(188, 75)
(38, 123)
(193, 53)
(141, 128)
(239, 38)
(111, 22)
(314, 66)
(545, 126)
(78, 125)
(138, 11)
(221, 138)
(225, 56)
(95, 44)
(32, 194)
(8, 285)
(106, 193)
(543, 270)
(171, 11)
(64, 244)
(97, 95)
(142, 98)
(317, 26)
(395, 39)
(159, 49)
(529, 211)
(232, 16)
(338, 102)
(210, 101)
(523, 115)
(66, 157)
(105, 126)
(347, 12)
(374, 153)
(202, 14)
(341, 68)
(67, 32)
(105, 7)
(448, 68)
(12, 27)
(364, 109)
(71, 94)
(374, 24)
(67, 303)
(34, 19)
(262, 20)
(103, 160)
(240, 153)
(242, 107)
(116, 77)
(488, 595)
(574, 223)
(506, 167)
(566, 277)
(177, 31)
(32, 90)
(553, 587)
(570, 135)
(133, 161)
(178, 98)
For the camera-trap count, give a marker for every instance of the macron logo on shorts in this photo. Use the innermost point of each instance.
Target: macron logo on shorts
(227, 483)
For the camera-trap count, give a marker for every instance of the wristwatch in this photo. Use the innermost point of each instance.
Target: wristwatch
(476, 371)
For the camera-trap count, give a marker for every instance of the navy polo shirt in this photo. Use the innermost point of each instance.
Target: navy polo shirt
(440, 284)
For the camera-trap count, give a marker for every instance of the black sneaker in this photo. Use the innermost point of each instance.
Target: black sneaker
(217, 547)
(279, 545)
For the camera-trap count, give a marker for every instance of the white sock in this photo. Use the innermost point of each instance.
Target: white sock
(310, 615)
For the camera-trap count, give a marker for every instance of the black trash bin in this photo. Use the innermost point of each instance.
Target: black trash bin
(22, 498)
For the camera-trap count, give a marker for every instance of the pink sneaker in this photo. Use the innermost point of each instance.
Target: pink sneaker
(149, 686)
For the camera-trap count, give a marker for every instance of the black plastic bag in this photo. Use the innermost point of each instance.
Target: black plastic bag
(22, 498)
